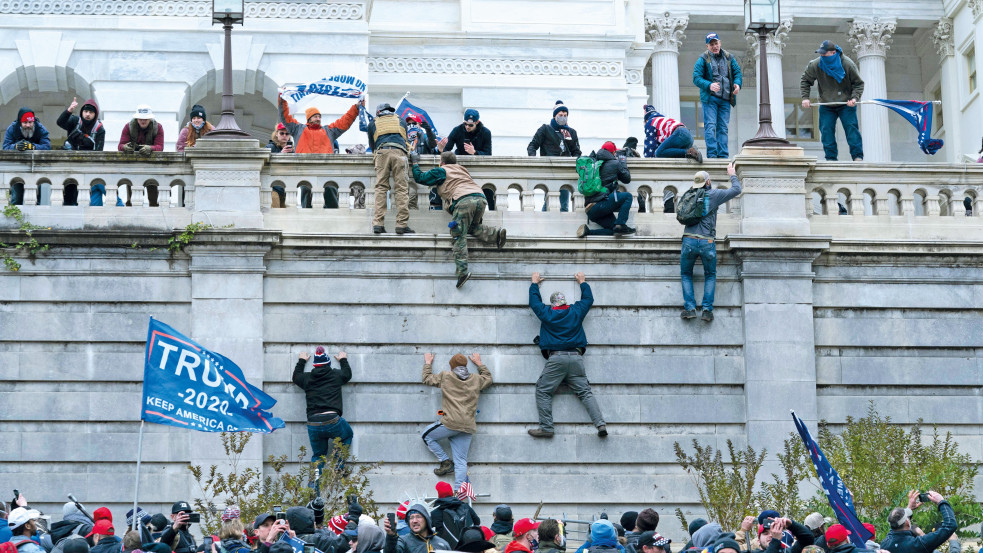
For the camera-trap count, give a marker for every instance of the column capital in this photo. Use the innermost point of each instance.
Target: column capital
(871, 36)
(977, 7)
(665, 31)
(749, 65)
(942, 37)
(774, 44)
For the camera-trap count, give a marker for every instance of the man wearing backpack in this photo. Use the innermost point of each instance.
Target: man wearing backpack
(699, 237)
(598, 183)
(23, 525)
(450, 515)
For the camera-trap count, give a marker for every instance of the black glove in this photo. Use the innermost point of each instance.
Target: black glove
(354, 509)
(425, 125)
(74, 135)
(317, 505)
(415, 158)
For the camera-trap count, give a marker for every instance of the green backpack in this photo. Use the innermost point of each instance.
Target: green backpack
(693, 206)
(589, 176)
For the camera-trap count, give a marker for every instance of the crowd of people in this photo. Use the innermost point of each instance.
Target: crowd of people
(449, 524)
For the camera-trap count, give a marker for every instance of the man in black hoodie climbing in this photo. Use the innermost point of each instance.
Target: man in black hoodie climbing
(322, 387)
(421, 538)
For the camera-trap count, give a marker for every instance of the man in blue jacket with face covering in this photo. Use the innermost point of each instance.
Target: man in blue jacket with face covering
(839, 82)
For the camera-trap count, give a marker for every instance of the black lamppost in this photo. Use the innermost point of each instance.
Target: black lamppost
(228, 12)
(762, 17)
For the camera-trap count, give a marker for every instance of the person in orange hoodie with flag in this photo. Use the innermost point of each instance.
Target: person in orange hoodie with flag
(312, 138)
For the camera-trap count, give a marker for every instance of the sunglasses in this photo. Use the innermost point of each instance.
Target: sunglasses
(469, 123)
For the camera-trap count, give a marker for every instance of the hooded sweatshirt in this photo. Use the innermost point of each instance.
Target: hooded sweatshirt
(322, 386)
(371, 539)
(603, 537)
(707, 535)
(301, 520)
(82, 134)
(414, 543)
(39, 138)
(459, 398)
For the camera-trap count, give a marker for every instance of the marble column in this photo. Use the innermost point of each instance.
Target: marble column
(774, 46)
(871, 39)
(944, 44)
(973, 138)
(635, 62)
(665, 32)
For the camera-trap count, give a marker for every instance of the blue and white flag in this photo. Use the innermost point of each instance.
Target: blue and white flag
(343, 86)
(296, 543)
(840, 498)
(405, 109)
(919, 114)
(188, 386)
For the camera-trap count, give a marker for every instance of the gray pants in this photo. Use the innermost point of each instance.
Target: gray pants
(564, 366)
(460, 444)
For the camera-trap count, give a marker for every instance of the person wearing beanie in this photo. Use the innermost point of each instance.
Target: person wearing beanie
(157, 523)
(699, 241)
(726, 545)
(388, 142)
(25, 134)
(556, 138)
(839, 81)
(718, 76)
(603, 538)
(562, 342)
(694, 525)
(312, 138)
(420, 539)
(667, 137)
(602, 205)
(450, 516)
(459, 392)
(501, 526)
(322, 388)
(196, 127)
(466, 203)
(630, 148)
(471, 137)
(144, 525)
(77, 546)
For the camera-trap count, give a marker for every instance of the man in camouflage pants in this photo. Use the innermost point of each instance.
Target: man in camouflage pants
(466, 203)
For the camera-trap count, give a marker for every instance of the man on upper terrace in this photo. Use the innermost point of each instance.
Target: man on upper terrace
(718, 76)
(667, 137)
(311, 137)
(556, 138)
(840, 83)
(471, 137)
(26, 133)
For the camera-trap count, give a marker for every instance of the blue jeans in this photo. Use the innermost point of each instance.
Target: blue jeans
(676, 145)
(322, 437)
(603, 213)
(96, 192)
(706, 250)
(716, 118)
(564, 201)
(17, 194)
(827, 129)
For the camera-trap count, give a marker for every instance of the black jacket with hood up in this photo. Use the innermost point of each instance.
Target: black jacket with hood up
(322, 386)
(82, 134)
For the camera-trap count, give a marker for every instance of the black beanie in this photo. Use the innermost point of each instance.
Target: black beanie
(197, 111)
(726, 543)
(159, 522)
(628, 520)
(76, 546)
(696, 525)
(632, 143)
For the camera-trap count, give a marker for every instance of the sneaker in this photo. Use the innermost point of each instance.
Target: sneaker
(378, 229)
(581, 231)
(694, 154)
(405, 230)
(540, 433)
(445, 468)
(623, 229)
(688, 314)
(602, 431)
(462, 279)
(707, 315)
(501, 238)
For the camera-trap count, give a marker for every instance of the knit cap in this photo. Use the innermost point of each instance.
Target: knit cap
(321, 359)
(311, 112)
(444, 489)
(337, 524)
(559, 107)
(197, 111)
(609, 146)
(459, 360)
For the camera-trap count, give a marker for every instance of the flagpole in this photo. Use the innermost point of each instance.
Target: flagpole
(136, 491)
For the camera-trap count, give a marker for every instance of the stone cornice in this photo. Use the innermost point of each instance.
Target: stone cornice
(493, 66)
(942, 37)
(665, 31)
(871, 37)
(348, 11)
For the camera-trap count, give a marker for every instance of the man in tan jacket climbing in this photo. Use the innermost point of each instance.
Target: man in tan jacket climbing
(459, 402)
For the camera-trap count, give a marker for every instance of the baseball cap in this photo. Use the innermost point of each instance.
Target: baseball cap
(836, 535)
(712, 36)
(21, 516)
(826, 46)
(814, 521)
(262, 519)
(471, 114)
(503, 513)
(524, 525)
(651, 539)
(180, 506)
(103, 528)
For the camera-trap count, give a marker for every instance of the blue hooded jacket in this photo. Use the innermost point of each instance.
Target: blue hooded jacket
(13, 135)
(561, 329)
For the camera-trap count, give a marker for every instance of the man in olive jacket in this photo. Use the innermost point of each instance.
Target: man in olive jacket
(459, 390)
(839, 81)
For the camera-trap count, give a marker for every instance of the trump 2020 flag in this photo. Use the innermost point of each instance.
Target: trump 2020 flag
(330, 95)
(918, 114)
(405, 108)
(188, 386)
(840, 498)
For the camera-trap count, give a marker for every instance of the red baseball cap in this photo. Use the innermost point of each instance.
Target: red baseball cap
(524, 525)
(836, 534)
(103, 528)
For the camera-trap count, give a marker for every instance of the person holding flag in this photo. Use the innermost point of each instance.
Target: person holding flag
(839, 82)
(310, 137)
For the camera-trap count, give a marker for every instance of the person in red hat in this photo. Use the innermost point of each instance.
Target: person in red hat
(525, 531)
(26, 133)
(451, 516)
(602, 204)
(103, 535)
(280, 143)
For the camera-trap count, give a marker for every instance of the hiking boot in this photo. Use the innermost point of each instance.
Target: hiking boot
(378, 229)
(707, 315)
(688, 314)
(501, 238)
(602, 431)
(462, 279)
(695, 155)
(405, 230)
(540, 433)
(581, 231)
(446, 467)
(623, 229)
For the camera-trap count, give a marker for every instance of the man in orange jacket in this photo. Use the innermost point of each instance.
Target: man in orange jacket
(312, 138)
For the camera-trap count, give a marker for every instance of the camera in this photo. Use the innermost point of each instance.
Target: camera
(767, 523)
(194, 518)
(308, 548)
(278, 513)
(923, 497)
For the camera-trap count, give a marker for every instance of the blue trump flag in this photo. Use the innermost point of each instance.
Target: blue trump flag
(840, 498)
(405, 108)
(188, 386)
(919, 114)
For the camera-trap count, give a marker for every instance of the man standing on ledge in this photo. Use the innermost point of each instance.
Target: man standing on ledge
(563, 343)
(839, 81)
(387, 140)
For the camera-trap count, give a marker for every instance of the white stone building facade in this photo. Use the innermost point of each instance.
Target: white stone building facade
(510, 59)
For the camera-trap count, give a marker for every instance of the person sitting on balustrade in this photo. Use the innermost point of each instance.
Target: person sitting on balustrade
(602, 206)
(143, 135)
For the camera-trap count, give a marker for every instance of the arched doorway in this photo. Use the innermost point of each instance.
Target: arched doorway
(255, 101)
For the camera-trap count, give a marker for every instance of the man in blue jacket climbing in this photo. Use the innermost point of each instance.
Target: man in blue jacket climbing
(563, 343)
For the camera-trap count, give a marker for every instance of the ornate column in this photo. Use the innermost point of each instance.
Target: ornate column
(871, 38)
(942, 37)
(665, 32)
(635, 61)
(774, 45)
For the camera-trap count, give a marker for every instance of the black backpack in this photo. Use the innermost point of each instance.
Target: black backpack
(453, 523)
(693, 206)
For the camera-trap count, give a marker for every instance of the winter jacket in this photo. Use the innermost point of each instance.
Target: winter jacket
(273, 147)
(322, 386)
(459, 399)
(905, 541)
(847, 547)
(180, 541)
(189, 135)
(851, 87)
(301, 520)
(707, 226)
(388, 139)
(152, 136)
(703, 76)
(612, 171)
(235, 546)
(371, 539)
(82, 134)
(515, 547)
(480, 138)
(561, 329)
(445, 504)
(107, 544)
(25, 544)
(13, 135)
(502, 541)
(548, 142)
(64, 528)
(604, 538)
(413, 543)
(803, 537)
(320, 140)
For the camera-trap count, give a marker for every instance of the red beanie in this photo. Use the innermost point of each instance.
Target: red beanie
(609, 146)
(337, 524)
(444, 489)
(401, 510)
(27, 117)
(102, 513)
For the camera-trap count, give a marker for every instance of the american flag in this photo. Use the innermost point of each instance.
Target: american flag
(466, 492)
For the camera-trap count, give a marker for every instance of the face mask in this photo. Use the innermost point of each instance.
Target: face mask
(561, 120)
(198, 127)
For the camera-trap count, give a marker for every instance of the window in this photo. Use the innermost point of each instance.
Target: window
(800, 123)
(937, 112)
(691, 115)
(971, 66)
